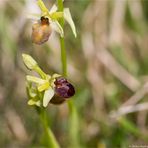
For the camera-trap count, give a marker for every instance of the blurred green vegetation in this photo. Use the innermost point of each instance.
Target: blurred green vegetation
(117, 27)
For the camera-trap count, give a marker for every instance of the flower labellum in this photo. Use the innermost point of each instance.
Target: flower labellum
(63, 90)
(41, 31)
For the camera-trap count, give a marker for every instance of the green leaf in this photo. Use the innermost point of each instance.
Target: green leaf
(68, 18)
(48, 96)
(129, 126)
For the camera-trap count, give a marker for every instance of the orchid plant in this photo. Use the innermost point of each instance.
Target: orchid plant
(46, 88)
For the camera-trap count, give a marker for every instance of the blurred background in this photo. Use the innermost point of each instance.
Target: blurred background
(107, 63)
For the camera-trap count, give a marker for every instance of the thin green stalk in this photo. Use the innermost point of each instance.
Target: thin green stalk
(39, 70)
(62, 42)
(51, 140)
(61, 8)
(73, 124)
(63, 57)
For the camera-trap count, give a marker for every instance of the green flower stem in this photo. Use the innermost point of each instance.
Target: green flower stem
(61, 8)
(63, 56)
(51, 140)
(40, 72)
(72, 109)
(74, 125)
(62, 42)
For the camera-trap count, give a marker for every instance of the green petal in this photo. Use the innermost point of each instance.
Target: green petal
(68, 18)
(44, 86)
(35, 79)
(42, 6)
(48, 96)
(56, 15)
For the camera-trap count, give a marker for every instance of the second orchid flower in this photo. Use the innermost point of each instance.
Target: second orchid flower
(44, 89)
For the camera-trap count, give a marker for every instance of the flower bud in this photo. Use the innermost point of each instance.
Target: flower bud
(29, 61)
(63, 90)
(41, 31)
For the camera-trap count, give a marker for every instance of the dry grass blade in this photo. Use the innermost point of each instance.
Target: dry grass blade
(117, 70)
(137, 96)
(116, 25)
(129, 109)
(16, 126)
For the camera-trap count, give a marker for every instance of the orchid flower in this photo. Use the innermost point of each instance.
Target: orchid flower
(41, 90)
(53, 16)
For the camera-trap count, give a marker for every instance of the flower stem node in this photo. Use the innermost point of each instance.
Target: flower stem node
(44, 89)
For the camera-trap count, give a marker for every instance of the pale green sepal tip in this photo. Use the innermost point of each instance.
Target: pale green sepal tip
(42, 6)
(68, 18)
(29, 61)
(48, 96)
(56, 75)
